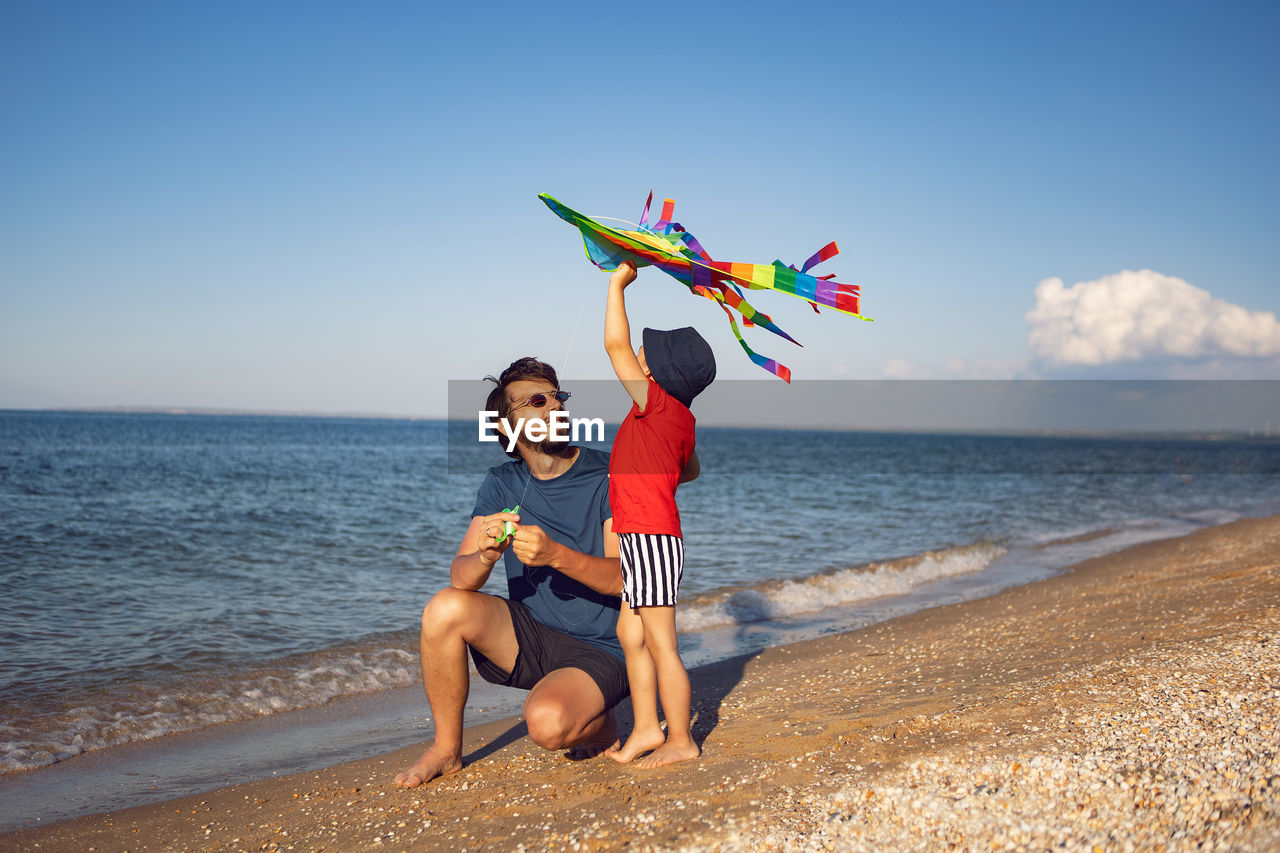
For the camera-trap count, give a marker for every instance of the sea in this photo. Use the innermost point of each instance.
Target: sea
(168, 576)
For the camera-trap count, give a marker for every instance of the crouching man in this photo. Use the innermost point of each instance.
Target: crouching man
(554, 635)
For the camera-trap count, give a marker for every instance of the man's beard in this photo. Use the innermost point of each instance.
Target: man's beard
(547, 447)
(552, 448)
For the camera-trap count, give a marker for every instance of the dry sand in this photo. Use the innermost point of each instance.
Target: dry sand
(1131, 703)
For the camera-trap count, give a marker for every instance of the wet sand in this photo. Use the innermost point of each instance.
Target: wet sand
(1130, 703)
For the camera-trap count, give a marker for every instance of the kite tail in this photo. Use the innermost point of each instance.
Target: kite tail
(779, 370)
(711, 278)
(825, 253)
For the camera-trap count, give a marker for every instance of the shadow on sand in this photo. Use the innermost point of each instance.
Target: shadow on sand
(507, 738)
(711, 684)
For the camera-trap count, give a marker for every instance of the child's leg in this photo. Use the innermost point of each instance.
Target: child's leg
(646, 734)
(673, 686)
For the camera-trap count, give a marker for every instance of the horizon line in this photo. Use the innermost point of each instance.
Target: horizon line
(1066, 432)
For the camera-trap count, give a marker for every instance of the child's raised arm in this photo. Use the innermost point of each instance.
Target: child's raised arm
(617, 336)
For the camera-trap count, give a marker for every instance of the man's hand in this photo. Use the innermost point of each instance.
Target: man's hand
(623, 275)
(534, 547)
(491, 527)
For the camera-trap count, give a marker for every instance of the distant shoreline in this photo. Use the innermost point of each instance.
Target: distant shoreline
(1155, 435)
(216, 412)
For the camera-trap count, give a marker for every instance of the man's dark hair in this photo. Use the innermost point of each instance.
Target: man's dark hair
(519, 370)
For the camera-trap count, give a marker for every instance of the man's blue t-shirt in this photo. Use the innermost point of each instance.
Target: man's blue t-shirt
(572, 509)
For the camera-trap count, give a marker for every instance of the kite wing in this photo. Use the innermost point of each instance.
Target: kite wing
(669, 247)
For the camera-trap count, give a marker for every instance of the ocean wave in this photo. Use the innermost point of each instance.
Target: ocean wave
(773, 599)
(45, 738)
(48, 735)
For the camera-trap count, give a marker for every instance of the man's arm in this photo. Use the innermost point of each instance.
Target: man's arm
(617, 336)
(603, 574)
(479, 550)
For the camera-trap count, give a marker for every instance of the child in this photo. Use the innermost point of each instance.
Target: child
(653, 453)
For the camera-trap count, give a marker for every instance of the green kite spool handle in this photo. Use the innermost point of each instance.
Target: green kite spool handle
(507, 525)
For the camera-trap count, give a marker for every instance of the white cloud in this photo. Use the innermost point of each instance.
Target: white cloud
(981, 367)
(1143, 315)
(902, 369)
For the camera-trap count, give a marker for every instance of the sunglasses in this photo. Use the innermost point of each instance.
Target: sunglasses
(540, 399)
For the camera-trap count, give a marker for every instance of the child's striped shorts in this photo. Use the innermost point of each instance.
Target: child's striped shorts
(652, 565)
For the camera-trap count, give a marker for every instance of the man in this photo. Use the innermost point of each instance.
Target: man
(555, 635)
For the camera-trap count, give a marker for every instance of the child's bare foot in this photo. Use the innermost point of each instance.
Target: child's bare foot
(428, 767)
(670, 753)
(638, 744)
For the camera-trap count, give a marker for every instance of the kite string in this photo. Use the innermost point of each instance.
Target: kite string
(573, 335)
(583, 307)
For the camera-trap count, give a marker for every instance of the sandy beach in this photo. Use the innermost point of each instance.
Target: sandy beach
(1129, 704)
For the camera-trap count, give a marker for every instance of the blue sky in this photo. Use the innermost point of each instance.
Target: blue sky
(332, 207)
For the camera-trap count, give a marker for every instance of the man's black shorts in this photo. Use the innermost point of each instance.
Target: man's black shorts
(543, 650)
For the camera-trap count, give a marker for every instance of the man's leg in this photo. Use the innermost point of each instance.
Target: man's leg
(566, 709)
(453, 620)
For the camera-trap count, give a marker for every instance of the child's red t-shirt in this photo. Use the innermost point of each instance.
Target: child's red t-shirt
(649, 453)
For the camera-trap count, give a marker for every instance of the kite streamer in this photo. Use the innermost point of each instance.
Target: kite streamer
(669, 247)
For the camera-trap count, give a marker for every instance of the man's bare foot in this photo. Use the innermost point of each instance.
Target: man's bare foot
(669, 753)
(428, 767)
(638, 744)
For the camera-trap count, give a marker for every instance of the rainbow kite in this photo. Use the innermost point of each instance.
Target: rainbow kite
(670, 248)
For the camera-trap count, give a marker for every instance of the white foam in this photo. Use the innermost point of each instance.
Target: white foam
(1212, 517)
(54, 737)
(819, 592)
(45, 739)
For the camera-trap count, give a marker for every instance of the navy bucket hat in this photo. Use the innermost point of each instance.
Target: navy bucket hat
(679, 360)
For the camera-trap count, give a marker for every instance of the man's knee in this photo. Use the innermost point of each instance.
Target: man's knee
(448, 611)
(550, 724)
